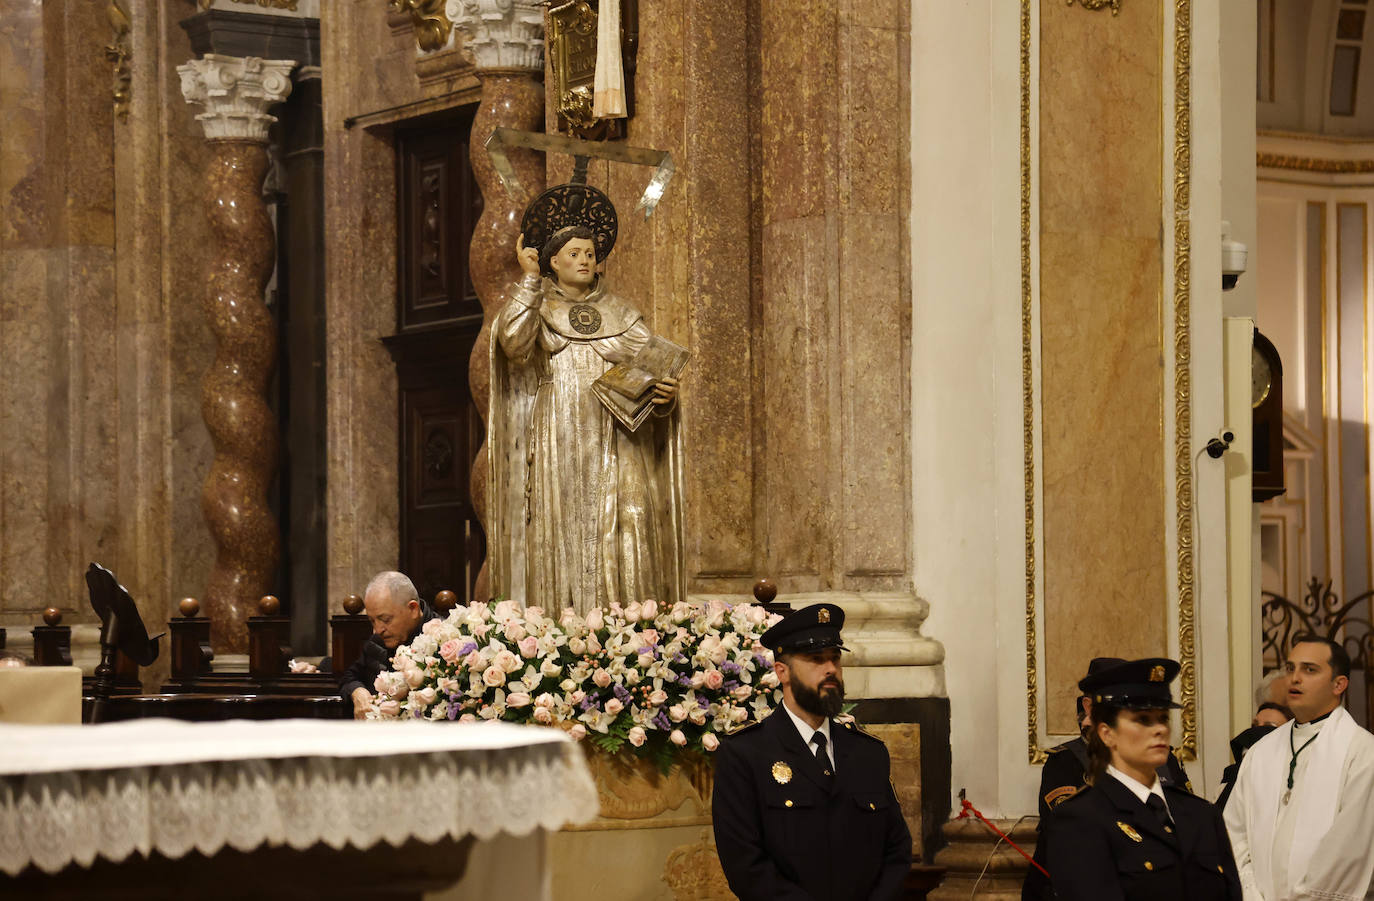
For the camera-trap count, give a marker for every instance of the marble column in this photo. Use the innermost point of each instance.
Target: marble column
(236, 93)
(507, 43)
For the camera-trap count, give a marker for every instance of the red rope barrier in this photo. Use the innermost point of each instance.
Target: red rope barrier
(969, 808)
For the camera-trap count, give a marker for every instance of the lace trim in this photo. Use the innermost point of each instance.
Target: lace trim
(51, 820)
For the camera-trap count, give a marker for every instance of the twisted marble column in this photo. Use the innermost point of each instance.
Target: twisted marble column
(236, 94)
(507, 43)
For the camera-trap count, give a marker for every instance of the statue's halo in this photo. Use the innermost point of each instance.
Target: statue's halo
(571, 204)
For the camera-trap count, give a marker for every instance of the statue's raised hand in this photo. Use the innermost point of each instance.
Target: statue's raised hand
(527, 257)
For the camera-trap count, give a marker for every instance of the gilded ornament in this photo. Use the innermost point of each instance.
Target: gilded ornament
(782, 773)
(1130, 833)
(118, 52)
(585, 318)
(1183, 445)
(1313, 164)
(572, 51)
(1114, 5)
(431, 24)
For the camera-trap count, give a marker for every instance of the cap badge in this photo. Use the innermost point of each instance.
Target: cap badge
(1157, 674)
(1130, 833)
(782, 773)
(823, 615)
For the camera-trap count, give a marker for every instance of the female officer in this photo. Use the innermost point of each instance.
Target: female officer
(1128, 837)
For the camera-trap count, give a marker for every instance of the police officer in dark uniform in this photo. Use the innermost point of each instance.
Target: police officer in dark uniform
(1063, 777)
(803, 807)
(1129, 836)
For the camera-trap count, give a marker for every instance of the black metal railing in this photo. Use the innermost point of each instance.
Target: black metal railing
(1322, 613)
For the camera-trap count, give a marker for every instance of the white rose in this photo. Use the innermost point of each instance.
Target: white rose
(425, 696)
(677, 713)
(677, 738)
(709, 741)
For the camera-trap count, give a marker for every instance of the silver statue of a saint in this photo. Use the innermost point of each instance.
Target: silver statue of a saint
(586, 459)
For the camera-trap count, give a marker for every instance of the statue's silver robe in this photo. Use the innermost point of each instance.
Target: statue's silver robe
(584, 512)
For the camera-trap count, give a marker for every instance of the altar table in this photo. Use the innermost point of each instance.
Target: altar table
(287, 808)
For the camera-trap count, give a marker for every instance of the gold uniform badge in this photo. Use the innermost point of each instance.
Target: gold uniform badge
(1130, 833)
(1157, 674)
(822, 615)
(782, 773)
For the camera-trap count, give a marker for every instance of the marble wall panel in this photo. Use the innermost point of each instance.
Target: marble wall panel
(795, 341)
(797, 48)
(1102, 352)
(23, 212)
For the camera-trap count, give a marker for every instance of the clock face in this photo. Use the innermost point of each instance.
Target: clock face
(1261, 377)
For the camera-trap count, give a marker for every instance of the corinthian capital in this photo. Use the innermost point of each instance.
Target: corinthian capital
(236, 92)
(502, 34)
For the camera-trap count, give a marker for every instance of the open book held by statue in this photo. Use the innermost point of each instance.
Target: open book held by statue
(586, 458)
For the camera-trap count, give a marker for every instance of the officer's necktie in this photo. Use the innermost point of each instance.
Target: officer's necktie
(822, 758)
(1161, 812)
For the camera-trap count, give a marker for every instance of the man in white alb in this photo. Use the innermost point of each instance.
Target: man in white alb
(1301, 817)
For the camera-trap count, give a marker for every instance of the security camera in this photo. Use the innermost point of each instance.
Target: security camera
(1233, 258)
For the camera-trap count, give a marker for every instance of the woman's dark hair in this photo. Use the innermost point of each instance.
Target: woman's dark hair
(1099, 755)
(557, 242)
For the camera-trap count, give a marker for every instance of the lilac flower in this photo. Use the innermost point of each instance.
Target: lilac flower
(453, 710)
(622, 693)
(467, 648)
(730, 667)
(702, 702)
(684, 680)
(588, 703)
(661, 721)
(730, 684)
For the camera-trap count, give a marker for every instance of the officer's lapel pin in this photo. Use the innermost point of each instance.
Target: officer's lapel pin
(1130, 833)
(783, 773)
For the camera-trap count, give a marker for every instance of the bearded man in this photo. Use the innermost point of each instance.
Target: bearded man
(1301, 817)
(803, 807)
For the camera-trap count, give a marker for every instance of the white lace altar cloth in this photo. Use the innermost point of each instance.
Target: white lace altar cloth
(70, 793)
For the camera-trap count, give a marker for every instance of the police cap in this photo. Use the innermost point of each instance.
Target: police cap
(1134, 684)
(813, 628)
(1097, 665)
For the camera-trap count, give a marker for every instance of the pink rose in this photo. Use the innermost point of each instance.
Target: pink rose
(474, 660)
(425, 696)
(577, 696)
(677, 738)
(714, 679)
(449, 650)
(534, 615)
(649, 609)
(577, 646)
(517, 699)
(506, 611)
(632, 613)
(637, 736)
(493, 676)
(578, 732)
(507, 661)
(467, 718)
(649, 636)
(432, 627)
(543, 716)
(677, 713)
(756, 614)
(613, 706)
(742, 692)
(529, 646)
(544, 700)
(449, 686)
(698, 680)
(698, 715)
(415, 677)
(601, 678)
(596, 619)
(658, 697)
(481, 629)
(514, 631)
(709, 741)
(389, 708)
(738, 714)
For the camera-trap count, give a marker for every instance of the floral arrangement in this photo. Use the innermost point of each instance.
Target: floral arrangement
(658, 679)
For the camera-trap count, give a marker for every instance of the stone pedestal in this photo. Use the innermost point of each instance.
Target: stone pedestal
(978, 866)
(236, 94)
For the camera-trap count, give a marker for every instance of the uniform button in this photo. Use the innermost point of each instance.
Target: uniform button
(788, 802)
(870, 806)
(827, 772)
(1220, 870)
(1149, 866)
(1169, 829)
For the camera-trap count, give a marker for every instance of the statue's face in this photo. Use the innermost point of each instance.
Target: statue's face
(575, 263)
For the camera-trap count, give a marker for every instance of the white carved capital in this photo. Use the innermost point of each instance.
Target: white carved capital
(236, 92)
(502, 34)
